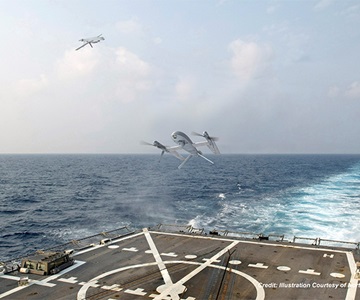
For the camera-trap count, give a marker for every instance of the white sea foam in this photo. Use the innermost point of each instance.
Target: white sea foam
(222, 196)
(329, 209)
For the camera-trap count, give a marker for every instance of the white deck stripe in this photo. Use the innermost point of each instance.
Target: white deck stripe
(11, 277)
(310, 272)
(13, 291)
(352, 286)
(258, 265)
(186, 278)
(163, 270)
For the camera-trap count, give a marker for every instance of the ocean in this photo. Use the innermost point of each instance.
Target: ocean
(46, 200)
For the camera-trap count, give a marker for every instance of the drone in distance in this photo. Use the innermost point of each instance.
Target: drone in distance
(90, 41)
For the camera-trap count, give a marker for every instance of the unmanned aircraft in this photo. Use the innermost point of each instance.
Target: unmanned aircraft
(90, 41)
(185, 143)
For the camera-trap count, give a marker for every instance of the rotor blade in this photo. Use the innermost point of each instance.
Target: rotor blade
(146, 143)
(197, 134)
(91, 45)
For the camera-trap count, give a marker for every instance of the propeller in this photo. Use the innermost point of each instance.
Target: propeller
(210, 141)
(157, 145)
(205, 135)
(146, 143)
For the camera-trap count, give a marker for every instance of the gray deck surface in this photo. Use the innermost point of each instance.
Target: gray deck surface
(161, 265)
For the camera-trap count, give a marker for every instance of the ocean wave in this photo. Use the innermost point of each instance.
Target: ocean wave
(54, 199)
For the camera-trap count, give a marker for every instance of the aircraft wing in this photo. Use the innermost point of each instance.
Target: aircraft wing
(211, 145)
(82, 46)
(172, 150)
(199, 144)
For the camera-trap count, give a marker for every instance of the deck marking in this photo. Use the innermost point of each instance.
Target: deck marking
(138, 292)
(11, 277)
(114, 287)
(235, 262)
(171, 290)
(91, 283)
(41, 282)
(13, 291)
(258, 265)
(113, 246)
(215, 260)
(190, 256)
(172, 254)
(337, 275)
(181, 282)
(352, 286)
(44, 282)
(188, 298)
(132, 249)
(283, 268)
(68, 280)
(31, 282)
(310, 272)
(260, 292)
(76, 264)
(154, 295)
(350, 293)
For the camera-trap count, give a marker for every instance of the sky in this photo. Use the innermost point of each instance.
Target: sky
(264, 76)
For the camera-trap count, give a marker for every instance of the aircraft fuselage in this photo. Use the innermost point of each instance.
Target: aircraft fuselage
(185, 142)
(92, 40)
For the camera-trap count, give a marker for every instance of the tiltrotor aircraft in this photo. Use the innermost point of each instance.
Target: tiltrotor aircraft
(90, 41)
(185, 143)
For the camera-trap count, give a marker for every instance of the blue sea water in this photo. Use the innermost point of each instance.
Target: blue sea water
(47, 200)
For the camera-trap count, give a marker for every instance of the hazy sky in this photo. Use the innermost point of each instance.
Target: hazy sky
(264, 76)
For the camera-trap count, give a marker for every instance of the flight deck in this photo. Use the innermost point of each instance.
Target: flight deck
(177, 263)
